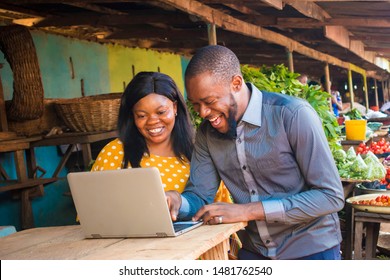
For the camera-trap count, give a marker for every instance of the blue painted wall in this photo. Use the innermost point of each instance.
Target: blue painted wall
(103, 69)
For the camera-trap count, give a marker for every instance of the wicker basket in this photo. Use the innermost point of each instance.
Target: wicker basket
(90, 113)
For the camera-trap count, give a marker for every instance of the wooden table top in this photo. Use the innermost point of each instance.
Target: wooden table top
(68, 243)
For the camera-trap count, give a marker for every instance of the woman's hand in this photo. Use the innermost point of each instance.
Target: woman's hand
(174, 203)
(220, 212)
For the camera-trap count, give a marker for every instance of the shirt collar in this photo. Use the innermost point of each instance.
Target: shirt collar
(252, 113)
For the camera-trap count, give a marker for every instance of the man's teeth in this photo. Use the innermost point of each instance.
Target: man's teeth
(156, 130)
(213, 119)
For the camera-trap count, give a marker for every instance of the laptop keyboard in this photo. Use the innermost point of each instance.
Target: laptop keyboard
(182, 225)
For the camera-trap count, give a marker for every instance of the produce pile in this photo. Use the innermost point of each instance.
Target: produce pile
(386, 181)
(379, 147)
(353, 166)
(380, 200)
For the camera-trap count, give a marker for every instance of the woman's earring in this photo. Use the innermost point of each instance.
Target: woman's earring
(176, 114)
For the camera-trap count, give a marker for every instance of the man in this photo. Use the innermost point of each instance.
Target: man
(386, 108)
(337, 103)
(272, 154)
(303, 79)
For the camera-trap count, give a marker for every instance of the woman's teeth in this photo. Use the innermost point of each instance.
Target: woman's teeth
(155, 130)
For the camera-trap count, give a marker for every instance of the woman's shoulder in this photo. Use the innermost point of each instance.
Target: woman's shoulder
(116, 143)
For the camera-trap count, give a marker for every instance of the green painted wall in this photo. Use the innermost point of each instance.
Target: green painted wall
(123, 63)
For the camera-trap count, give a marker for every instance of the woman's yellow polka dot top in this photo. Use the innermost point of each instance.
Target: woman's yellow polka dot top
(174, 173)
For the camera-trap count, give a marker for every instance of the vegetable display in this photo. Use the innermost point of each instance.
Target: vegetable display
(278, 78)
(352, 166)
(379, 147)
(380, 200)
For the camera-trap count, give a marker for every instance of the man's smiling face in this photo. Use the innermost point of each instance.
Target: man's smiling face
(213, 102)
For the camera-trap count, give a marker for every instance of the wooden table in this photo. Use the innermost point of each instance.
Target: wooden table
(68, 243)
(372, 221)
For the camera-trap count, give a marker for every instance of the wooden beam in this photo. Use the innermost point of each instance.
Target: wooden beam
(314, 11)
(111, 20)
(277, 4)
(371, 38)
(308, 9)
(232, 24)
(340, 36)
(375, 49)
(263, 20)
(28, 21)
(304, 23)
(242, 9)
(351, 22)
(96, 8)
(134, 32)
(364, 22)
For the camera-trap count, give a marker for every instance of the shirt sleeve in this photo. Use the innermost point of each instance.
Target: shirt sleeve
(109, 158)
(325, 193)
(204, 179)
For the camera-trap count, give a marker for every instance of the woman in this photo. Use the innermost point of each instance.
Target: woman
(154, 130)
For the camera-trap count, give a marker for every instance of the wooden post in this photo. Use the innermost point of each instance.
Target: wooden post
(384, 91)
(290, 60)
(350, 86)
(328, 84)
(366, 92)
(212, 33)
(3, 114)
(388, 88)
(376, 93)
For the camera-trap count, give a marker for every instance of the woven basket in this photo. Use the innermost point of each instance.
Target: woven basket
(18, 48)
(90, 113)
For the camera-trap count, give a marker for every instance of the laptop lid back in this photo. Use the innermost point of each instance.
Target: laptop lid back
(121, 203)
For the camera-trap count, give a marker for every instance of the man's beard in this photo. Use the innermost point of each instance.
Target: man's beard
(232, 123)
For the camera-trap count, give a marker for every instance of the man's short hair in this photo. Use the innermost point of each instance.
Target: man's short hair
(217, 60)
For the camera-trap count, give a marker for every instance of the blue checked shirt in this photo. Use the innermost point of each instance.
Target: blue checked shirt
(280, 157)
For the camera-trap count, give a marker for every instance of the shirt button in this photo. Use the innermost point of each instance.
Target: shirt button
(253, 192)
(239, 140)
(244, 167)
(267, 242)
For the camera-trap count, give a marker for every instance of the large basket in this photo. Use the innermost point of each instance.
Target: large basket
(90, 113)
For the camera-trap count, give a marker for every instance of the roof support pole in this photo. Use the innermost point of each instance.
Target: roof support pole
(376, 92)
(388, 88)
(212, 33)
(327, 84)
(384, 91)
(366, 92)
(350, 86)
(290, 60)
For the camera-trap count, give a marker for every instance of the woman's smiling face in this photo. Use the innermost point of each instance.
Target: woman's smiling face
(154, 116)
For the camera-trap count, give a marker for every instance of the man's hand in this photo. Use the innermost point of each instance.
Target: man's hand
(174, 203)
(218, 213)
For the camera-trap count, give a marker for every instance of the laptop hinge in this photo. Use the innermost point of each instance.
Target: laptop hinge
(161, 234)
(96, 235)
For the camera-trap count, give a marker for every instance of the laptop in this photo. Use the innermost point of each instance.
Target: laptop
(124, 203)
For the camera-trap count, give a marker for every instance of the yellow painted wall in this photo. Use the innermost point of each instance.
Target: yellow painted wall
(122, 59)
